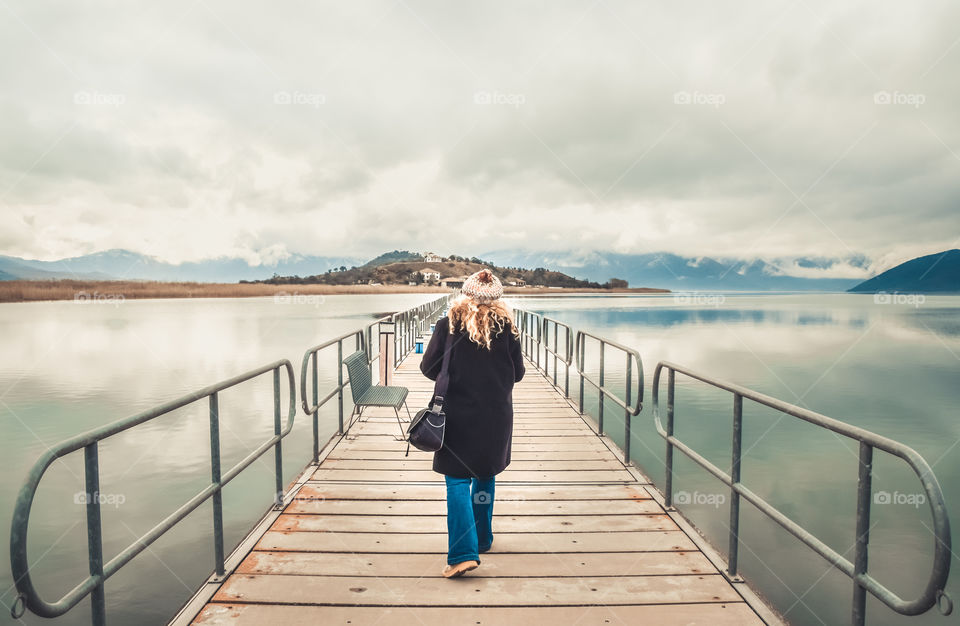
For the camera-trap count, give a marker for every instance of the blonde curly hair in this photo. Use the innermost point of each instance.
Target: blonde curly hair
(481, 319)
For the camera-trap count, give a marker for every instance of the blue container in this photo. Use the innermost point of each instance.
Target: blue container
(419, 349)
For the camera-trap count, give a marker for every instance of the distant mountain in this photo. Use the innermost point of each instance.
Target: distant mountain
(927, 274)
(681, 273)
(124, 264)
(14, 268)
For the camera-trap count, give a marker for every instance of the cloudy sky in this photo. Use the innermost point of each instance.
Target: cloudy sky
(199, 128)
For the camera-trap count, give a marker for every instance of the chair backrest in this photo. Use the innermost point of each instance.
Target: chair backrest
(360, 375)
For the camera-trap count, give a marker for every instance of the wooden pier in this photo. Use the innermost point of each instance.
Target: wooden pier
(578, 537)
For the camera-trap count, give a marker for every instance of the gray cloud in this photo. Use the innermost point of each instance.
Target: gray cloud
(197, 129)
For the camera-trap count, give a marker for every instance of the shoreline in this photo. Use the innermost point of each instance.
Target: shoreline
(119, 290)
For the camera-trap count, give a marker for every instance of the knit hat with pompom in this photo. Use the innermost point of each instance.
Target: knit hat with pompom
(482, 286)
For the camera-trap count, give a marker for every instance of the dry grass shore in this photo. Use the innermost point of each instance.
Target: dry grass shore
(83, 290)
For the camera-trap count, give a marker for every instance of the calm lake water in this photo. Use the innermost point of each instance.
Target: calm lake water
(891, 368)
(68, 367)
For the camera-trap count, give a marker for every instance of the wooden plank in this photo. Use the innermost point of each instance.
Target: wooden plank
(516, 455)
(439, 507)
(437, 591)
(503, 523)
(401, 463)
(436, 543)
(572, 443)
(508, 475)
(590, 442)
(554, 430)
(503, 493)
(494, 564)
(546, 417)
(707, 614)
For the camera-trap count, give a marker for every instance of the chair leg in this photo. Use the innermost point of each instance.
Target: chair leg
(407, 407)
(350, 422)
(402, 436)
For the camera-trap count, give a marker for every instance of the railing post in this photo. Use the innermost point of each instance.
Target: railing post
(387, 352)
(370, 342)
(566, 364)
(98, 603)
(668, 460)
(556, 348)
(734, 548)
(581, 348)
(626, 414)
(864, 489)
(215, 478)
(278, 448)
(539, 328)
(339, 387)
(316, 412)
(600, 393)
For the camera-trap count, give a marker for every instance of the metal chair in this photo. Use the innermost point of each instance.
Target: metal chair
(367, 394)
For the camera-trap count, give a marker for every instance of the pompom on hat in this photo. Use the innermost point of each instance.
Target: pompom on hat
(482, 286)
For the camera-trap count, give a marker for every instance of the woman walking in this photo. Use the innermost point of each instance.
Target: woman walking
(485, 361)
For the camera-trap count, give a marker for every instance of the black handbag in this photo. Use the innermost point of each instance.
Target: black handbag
(427, 426)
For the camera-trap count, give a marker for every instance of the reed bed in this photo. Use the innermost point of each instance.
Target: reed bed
(118, 291)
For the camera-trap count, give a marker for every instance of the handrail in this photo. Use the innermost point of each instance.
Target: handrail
(933, 594)
(93, 585)
(528, 321)
(363, 339)
(632, 404)
(566, 358)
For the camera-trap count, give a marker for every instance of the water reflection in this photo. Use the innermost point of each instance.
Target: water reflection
(887, 368)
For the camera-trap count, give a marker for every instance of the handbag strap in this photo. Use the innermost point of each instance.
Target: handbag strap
(443, 379)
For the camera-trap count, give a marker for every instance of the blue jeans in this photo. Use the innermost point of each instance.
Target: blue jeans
(469, 517)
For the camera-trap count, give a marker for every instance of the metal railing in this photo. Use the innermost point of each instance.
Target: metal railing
(554, 350)
(410, 324)
(540, 335)
(363, 340)
(93, 585)
(406, 326)
(932, 594)
(632, 402)
(530, 326)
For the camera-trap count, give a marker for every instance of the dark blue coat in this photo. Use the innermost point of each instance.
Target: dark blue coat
(478, 403)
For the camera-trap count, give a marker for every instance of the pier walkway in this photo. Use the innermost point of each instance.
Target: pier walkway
(578, 537)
